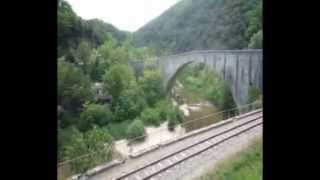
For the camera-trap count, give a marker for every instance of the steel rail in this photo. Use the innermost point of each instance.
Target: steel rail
(183, 149)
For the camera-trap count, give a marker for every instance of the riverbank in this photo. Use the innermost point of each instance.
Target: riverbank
(154, 136)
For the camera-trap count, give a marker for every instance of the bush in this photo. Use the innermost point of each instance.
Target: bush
(94, 114)
(73, 87)
(163, 108)
(172, 122)
(118, 130)
(175, 117)
(118, 78)
(254, 94)
(136, 129)
(68, 118)
(150, 116)
(152, 85)
(256, 40)
(93, 140)
(130, 104)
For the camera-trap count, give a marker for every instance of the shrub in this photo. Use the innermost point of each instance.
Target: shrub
(163, 107)
(172, 122)
(256, 40)
(152, 85)
(130, 104)
(118, 130)
(150, 116)
(68, 118)
(94, 114)
(254, 94)
(136, 129)
(175, 117)
(93, 140)
(118, 78)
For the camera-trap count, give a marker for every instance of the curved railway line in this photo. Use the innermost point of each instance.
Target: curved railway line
(155, 168)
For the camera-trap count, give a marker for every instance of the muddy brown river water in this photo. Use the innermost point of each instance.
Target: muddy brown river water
(200, 115)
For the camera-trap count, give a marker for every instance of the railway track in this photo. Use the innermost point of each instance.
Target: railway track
(152, 169)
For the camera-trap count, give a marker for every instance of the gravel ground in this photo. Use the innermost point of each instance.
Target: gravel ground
(132, 164)
(193, 168)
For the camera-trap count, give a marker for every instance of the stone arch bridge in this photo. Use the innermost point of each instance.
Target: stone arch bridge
(239, 68)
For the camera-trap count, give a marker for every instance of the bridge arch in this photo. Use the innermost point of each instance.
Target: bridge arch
(240, 69)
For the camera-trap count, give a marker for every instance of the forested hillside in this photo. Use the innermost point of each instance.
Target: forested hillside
(72, 30)
(204, 24)
(95, 56)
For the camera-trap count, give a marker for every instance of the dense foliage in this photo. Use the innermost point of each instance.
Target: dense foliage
(73, 87)
(204, 83)
(118, 78)
(79, 144)
(136, 130)
(175, 117)
(94, 114)
(90, 53)
(205, 24)
(152, 86)
(72, 30)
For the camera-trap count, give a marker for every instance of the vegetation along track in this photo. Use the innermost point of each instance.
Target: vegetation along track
(156, 167)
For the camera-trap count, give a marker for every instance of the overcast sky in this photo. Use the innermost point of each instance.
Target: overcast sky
(127, 15)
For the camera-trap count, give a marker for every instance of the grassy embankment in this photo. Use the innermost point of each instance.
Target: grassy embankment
(245, 165)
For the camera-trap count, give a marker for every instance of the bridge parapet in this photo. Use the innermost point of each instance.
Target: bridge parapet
(197, 52)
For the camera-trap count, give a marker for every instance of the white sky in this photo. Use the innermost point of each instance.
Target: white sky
(127, 15)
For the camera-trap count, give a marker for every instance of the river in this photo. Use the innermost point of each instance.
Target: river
(195, 109)
(198, 115)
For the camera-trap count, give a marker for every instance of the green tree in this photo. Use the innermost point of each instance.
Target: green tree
(118, 78)
(72, 30)
(67, 19)
(96, 138)
(106, 52)
(94, 114)
(73, 87)
(254, 94)
(136, 129)
(172, 122)
(112, 55)
(76, 147)
(82, 56)
(68, 118)
(256, 40)
(95, 67)
(152, 85)
(163, 107)
(93, 141)
(130, 103)
(175, 116)
(64, 137)
(255, 20)
(150, 116)
(120, 55)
